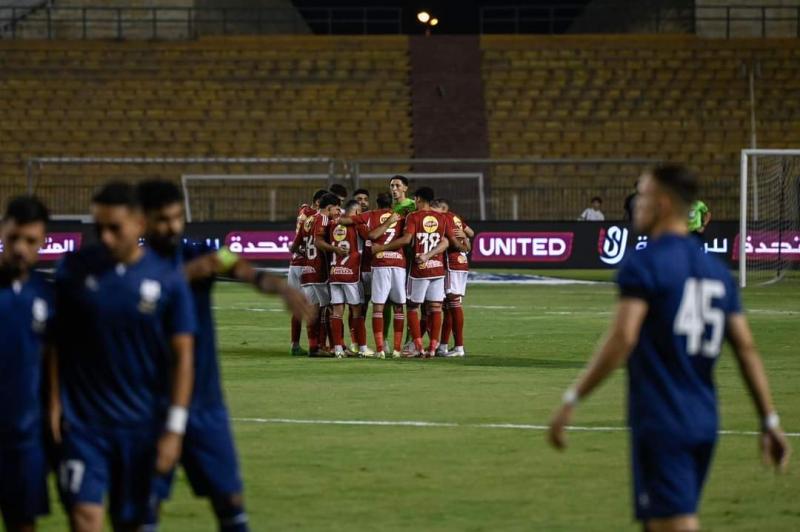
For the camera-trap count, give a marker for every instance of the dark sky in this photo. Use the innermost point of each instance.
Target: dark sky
(456, 16)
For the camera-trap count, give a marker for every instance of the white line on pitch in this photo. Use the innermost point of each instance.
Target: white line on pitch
(445, 424)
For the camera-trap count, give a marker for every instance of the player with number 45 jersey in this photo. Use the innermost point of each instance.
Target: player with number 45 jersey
(677, 304)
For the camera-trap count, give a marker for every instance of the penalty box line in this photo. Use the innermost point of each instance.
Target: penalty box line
(445, 424)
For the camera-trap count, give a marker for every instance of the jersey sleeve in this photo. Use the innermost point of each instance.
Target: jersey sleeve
(362, 231)
(180, 312)
(410, 225)
(449, 228)
(321, 227)
(634, 278)
(360, 219)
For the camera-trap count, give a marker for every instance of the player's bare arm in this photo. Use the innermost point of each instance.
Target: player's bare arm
(775, 447)
(324, 245)
(438, 250)
(399, 243)
(169, 444)
(381, 229)
(612, 353)
(271, 284)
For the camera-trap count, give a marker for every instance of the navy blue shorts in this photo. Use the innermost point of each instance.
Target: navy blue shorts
(668, 475)
(23, 482)
(120, 464)
(208, 457)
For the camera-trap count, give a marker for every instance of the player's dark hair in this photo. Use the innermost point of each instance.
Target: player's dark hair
(156, 194)
(440, 201)
(678, 179)
(339, 190)
(425, 194)
(117, 194)
(402, 178)
(597, 199)
(329, 199)
(361, 191)
(26, 210)
(384, 200)
(350, 204)
(318, 194)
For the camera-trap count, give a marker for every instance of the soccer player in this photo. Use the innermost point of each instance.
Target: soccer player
(429, 233)
(699, 218)
(398, 187)
(26, 309)
(361, 195)
(345, 281)
(676, 306)
(296, 269)
(388, 271)
(124, 336)
(455, 281)
(315, 272)
(209, 455)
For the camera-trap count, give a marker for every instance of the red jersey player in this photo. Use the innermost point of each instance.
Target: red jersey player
(345, 281)
(296, 267)
(388, 270)
(455, 282)
(314, 278)
(429, 233)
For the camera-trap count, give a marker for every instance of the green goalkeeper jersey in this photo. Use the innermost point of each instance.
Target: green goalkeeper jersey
(696, 214)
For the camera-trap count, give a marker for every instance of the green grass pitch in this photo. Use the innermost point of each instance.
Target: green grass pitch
(524, 345)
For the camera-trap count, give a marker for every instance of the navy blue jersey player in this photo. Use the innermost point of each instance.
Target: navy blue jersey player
(209, 456)
(124, 338)
(677, 304)
(26, 310)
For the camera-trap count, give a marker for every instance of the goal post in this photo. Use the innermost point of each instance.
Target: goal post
(769, 215)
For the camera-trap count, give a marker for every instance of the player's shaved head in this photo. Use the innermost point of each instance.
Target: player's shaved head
(663, 199)
(352, 207)
(118, 220)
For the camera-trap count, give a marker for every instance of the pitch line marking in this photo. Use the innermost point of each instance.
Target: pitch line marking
(446, 424)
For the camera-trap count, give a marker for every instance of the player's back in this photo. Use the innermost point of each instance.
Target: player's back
(689, 295)
(26, 310)
(387, 259)
(113, 328)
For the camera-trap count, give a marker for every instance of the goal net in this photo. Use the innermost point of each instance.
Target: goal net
(769, 237)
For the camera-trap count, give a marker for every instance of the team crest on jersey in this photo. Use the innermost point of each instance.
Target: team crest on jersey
(39, 312)
(385, 216)
(462, 259)
(430, 224)
(150, 293)
(308, 224)
(339, 233)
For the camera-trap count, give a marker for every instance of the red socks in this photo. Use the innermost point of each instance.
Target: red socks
(360, 331)
(414, 325)
(337, 331)
(436, 328)
(296, 325)
(399, 327)
(377, 328)
(456, 312)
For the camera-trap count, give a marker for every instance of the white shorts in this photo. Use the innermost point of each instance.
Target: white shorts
(294, 276)
(456, 282)
(350, 293)
(317, 294)
(421, 290)
(388, 284)
(366, 285)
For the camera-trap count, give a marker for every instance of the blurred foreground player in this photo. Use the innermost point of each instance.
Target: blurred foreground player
(296, 268)
(676, 306)
(26, 310)
(125, 341)
(209, 455)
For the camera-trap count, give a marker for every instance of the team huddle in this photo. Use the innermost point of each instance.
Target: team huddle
(404, 253)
